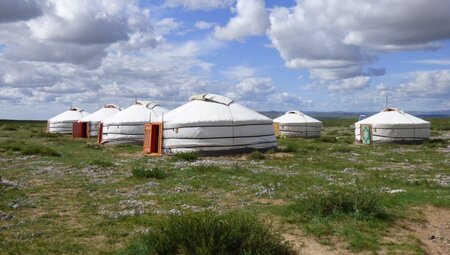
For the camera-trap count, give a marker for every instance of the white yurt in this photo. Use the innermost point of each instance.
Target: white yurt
(214, 124)
(62, 123)
(392, 125)
(298, 124)
(127, 126)
(99, 116)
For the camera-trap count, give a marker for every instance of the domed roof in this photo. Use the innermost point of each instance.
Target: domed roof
(211, 109)
(393, 116)
(105, 112)
(140, 112)
(73, 114)
(295, 117)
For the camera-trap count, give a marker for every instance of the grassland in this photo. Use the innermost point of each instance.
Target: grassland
(60, 195)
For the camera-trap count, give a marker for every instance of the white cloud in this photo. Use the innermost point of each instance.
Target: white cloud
(251, 19)
(433, 61)
(434, 84)
(166, 26)
(203, 25)
(239, 72)
(337, 39)
(355, 83)
(199, 4)
(286, 101)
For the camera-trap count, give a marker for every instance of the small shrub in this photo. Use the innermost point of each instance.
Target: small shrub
(256, 155)
(102, 163)
(328, 139)
(186, 156)
(289, 147)
(156, 172)
(47, 135)
(210, 233)
(9, 128)
(356, 202)
(436, 143)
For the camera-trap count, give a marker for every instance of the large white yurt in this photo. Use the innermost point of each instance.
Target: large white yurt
(214, 124)
(298, 124)
(62, 123)
(392, 125)
(127, 126)
(98, 117)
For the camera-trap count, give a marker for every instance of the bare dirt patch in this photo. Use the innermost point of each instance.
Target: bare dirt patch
(434, 232)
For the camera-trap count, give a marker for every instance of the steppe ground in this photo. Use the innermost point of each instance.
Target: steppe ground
(60, 195)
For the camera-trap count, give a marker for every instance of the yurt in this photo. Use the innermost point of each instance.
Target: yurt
(127, 126)
(93, 120)
(211, 124)
(392, 125)
(297, 124)
(62, 123)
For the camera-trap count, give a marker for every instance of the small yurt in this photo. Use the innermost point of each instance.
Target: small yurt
(212, 124)
(62, 123)
(127, 126)
(392, 125)
(297, 124)
(93, 120)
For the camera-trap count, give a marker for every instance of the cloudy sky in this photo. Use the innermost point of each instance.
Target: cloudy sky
(310, 55)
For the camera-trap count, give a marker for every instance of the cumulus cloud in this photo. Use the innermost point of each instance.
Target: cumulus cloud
(239, 72)
(203, 25)
(77, 32)
(18, 10)
(288, 101)
(435, 84)
(337, 39)
(355, 83)
(251, 19)
(199, 4)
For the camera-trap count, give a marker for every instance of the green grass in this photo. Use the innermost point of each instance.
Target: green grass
(28, 149)
(186, 156)
(327, 188)
(156, 172)
(210, 233)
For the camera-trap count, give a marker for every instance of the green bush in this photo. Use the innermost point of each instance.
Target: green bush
(9, 128)
(210, 233)
(256, 155)
(289, 147)
(357, 202)
(140, 172)
(205, 168)
(186, 156)
(327, 139)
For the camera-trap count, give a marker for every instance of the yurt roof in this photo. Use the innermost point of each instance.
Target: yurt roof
(211, 109)
(141, 111)
(105, 112)
(294, 117)
(73, 114)
(392, 116)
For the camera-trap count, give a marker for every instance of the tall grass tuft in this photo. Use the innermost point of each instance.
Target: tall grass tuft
(101, 163)
(256, 155)
(186, 156)
(357, 202)
(156, 172)
(210, 233)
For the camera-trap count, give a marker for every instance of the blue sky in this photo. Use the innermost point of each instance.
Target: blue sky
(309, 55)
